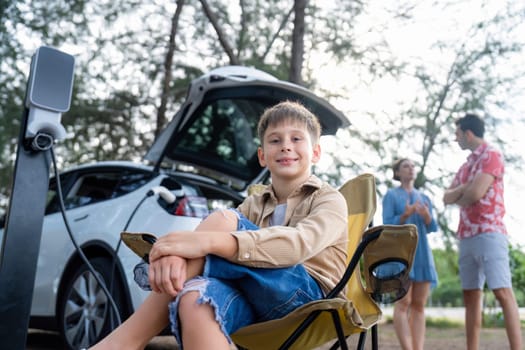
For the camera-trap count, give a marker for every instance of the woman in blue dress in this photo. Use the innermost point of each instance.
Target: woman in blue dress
(406, 205)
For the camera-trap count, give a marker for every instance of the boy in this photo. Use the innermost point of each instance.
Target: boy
(277, 251)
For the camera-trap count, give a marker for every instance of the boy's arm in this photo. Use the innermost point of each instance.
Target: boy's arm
(211, 236)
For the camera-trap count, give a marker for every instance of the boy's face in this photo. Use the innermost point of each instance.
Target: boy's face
(287, 150)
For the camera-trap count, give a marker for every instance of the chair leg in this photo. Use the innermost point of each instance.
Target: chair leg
(335, 345)
(362, 340)
(339, 329)
(375, 343)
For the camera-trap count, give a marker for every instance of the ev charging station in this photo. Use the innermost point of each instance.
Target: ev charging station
(48, 95)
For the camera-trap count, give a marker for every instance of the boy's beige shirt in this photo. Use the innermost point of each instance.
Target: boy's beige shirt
(314, 232)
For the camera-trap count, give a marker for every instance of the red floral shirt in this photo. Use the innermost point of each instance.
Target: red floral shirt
(485, 215)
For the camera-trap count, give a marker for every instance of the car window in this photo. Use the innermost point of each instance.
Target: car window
(225, 129)
(222, 137)
(91, 189)
(95, 187)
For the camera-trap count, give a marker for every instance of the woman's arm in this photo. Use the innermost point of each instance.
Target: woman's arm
(389, 210)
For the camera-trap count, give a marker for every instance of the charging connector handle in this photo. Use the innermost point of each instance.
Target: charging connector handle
(164, 193)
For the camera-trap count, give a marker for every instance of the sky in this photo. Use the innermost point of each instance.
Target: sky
(412, 41)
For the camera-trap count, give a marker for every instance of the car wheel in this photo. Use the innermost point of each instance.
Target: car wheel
(85, 314)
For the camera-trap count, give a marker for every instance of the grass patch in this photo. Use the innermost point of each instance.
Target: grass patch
(488, 321)
(443, 322)
(436, 322)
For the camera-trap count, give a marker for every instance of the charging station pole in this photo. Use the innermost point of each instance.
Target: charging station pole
(48, 95)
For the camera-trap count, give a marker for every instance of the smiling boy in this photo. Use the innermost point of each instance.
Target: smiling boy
(277, 251)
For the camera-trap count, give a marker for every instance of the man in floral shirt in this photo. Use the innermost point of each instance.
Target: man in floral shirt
(483, 245)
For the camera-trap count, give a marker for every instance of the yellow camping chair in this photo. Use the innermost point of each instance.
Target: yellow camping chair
(333, 317)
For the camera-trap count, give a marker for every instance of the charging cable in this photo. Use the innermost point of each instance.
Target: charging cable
(73, 240)
(165, 194)
(44, 142)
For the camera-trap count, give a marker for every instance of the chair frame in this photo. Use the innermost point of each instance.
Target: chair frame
(341, 338)
(376, 237)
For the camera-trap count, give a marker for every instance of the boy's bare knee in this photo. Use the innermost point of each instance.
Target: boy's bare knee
(188, 302)
(190, 307)
(223, 220)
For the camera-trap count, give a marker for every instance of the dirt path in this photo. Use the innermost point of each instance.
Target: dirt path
(443, 339)
(436, 339)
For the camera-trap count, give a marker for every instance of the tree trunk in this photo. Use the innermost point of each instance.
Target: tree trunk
(168, 64)
(296, 62)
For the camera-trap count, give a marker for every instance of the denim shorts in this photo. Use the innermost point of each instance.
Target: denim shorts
(484, 257)
(242, 295)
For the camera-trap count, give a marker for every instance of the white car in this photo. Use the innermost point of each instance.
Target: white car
(206, 157)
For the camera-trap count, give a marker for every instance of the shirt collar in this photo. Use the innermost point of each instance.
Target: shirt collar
(313, 182)
(478, 152)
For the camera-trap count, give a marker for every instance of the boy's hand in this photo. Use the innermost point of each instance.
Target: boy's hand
(186, 244)
(167, 274)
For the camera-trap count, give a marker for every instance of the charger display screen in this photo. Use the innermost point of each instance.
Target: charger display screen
(51, 81)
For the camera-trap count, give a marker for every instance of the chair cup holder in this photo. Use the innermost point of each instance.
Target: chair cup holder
(388, 280)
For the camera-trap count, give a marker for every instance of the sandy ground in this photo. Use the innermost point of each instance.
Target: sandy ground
(436, 338)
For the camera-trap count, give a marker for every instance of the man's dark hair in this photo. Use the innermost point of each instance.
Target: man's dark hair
(473, 123)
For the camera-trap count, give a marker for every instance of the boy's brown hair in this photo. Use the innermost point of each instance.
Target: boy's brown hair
(291, 111)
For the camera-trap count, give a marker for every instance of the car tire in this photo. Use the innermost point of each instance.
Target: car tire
(85, 314)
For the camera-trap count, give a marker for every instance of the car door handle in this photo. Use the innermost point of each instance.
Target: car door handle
(81, 218)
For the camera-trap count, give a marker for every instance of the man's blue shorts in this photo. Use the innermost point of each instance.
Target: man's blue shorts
(484, 257)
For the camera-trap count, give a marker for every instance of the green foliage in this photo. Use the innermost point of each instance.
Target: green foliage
(442, 323)
(436, 322)
(448, 292)
(517, 265)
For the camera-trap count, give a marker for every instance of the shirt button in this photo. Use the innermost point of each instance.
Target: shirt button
(246, 255)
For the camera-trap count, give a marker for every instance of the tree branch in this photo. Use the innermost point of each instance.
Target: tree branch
(168, 63)
(220, 34)
(276, 35)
